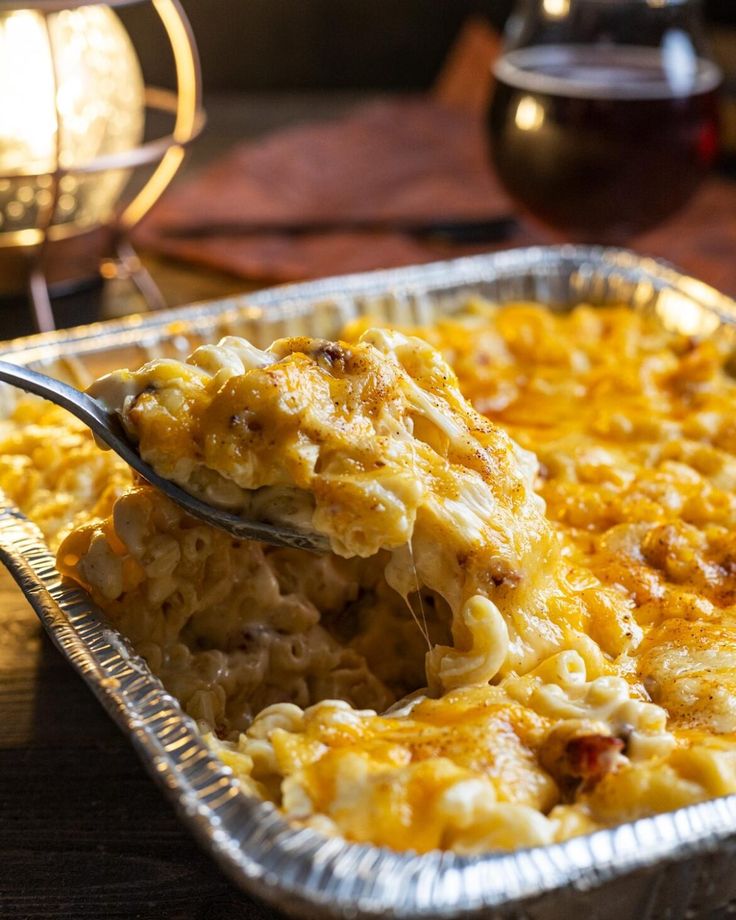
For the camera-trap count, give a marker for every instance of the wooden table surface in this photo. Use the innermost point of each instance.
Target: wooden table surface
(84, 832)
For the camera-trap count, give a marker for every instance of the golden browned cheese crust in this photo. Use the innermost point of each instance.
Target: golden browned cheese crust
(554, 639)
(378, 439)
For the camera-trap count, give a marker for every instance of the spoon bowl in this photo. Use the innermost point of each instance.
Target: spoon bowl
(106, 426)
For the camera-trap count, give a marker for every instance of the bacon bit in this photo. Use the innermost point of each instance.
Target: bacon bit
(590, 757)
(501, 575)
(330, 352)
(577, 763)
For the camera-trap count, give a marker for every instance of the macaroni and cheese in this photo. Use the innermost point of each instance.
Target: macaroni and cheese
(524, 631)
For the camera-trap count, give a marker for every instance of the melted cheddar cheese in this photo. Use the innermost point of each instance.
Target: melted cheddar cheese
(525, 630)
(378, 440)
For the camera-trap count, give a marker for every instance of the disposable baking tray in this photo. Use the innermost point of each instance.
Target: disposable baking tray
(675, 865)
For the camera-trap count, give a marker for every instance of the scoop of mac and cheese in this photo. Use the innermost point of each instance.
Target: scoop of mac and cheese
(376, 440)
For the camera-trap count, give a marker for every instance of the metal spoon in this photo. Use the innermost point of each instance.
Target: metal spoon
(108, 428)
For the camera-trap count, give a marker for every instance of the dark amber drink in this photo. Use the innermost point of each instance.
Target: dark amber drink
(603, 142)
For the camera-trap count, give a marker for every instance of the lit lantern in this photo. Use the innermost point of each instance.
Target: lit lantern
(72, 117)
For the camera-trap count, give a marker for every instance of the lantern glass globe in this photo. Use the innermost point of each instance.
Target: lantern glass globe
(71, 91)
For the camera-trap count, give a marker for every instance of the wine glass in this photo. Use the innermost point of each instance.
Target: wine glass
(604, 118)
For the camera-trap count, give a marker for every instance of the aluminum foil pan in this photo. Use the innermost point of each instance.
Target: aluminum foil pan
(675, 865)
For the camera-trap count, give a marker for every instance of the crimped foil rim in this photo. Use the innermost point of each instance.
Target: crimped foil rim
(301, 870)
(410, 281)
(298, 870)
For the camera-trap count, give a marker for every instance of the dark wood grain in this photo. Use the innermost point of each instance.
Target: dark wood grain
(84, 832)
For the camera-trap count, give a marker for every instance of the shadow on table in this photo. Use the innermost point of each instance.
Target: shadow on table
(81, 307)
(84, 832)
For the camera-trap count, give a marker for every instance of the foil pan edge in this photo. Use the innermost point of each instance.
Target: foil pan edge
(297, 870)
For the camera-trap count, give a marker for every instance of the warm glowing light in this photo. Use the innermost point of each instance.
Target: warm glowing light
(187, 114)
(681, 314)
(556, 9)
(529, 114)
(72, 91)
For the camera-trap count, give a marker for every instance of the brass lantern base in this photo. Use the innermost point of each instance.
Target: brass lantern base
(63, 266)
(65, 263)
(53, 258)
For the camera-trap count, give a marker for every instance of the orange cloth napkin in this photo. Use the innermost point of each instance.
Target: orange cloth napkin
(410, 158)
(425, 158)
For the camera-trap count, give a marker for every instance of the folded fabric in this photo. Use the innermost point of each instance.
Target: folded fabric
(403, 159)
(395, 160)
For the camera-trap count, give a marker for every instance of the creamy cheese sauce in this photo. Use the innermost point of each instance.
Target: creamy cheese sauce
(544, 619)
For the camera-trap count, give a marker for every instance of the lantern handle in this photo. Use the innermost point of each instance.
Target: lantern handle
(190, 115)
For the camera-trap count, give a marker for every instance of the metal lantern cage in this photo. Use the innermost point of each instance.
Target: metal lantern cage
(31, 256)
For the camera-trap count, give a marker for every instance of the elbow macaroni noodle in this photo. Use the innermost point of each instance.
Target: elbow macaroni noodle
(525, 629)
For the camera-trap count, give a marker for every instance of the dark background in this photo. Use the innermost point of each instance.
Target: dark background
(261, 45)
